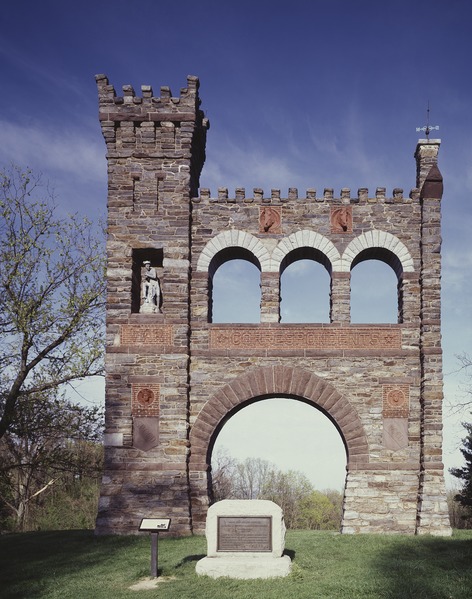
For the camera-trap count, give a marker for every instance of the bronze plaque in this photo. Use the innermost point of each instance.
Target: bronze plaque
(244, 533)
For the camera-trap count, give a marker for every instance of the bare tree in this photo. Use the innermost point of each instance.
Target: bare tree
(52, 288)
(222, 475)
(50, 440)
(251, 476)
(465, 366)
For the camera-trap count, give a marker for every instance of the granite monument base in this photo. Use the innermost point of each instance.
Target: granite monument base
(245, 539)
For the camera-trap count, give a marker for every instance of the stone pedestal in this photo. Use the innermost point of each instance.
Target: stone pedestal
(246, 539)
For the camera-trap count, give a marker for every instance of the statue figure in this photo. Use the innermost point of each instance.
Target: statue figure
(151, 290)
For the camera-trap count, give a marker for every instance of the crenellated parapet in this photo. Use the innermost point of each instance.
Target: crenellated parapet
(311, 195)
(148, 107)
(154, 128)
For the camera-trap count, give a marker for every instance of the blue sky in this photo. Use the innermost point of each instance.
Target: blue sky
(321, 93)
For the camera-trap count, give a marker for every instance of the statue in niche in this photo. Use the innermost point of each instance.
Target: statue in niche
(150, 289)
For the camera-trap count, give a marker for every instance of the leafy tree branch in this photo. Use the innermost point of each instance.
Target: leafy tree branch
(52, 294)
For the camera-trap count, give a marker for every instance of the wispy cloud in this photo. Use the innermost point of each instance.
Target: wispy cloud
(73, 152)
(43, 75)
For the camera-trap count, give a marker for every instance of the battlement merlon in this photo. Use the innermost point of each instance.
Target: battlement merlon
(149, 108)
(310, 196)
(167, 134)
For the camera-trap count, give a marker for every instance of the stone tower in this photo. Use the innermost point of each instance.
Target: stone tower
(174, 377)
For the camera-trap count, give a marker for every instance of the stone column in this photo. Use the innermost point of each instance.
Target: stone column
(340, 299)
(270, 297)
(426, 156)
(432, 517)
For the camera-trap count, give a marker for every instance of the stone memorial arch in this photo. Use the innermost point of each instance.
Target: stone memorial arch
(174, 377)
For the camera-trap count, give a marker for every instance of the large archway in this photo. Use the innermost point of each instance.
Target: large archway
(254, 385)
(286, 433)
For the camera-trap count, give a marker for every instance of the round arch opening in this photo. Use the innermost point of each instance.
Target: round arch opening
(234, 287)
(312, 443)
(376, 293)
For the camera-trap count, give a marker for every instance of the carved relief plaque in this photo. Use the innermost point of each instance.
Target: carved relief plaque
(146, 334)
(395, 433)
(260, 338)
(145, 433)
(145, 400)
(270, 219)
(341, 219)
(396, 401)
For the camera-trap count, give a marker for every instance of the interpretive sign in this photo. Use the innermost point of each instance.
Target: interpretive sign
(244, 533)
(154, 524)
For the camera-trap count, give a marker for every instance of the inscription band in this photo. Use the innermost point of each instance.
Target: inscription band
(140, 334)
(305, 338)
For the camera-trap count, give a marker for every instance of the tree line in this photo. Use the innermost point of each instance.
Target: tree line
(303, 506)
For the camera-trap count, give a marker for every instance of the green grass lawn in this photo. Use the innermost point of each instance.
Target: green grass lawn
(76, 565)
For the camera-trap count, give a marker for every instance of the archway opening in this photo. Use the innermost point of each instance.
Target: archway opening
(306, 463)
(304, 286)
(234, 287)
(375, 287)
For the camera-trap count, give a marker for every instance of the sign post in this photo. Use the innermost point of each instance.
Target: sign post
(154, 526)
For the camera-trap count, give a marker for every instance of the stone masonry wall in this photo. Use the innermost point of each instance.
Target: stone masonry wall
(155, 153)
(174, 377)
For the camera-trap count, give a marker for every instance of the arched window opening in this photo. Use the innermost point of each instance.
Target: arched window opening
(234, 287)
(375, 287)
(274, 437)
(305, 286)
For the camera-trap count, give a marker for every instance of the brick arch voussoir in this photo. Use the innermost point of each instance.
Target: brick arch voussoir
(378, 239)
(270, 380)
(233, 238)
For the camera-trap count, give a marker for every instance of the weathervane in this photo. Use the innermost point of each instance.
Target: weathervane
(428, 128)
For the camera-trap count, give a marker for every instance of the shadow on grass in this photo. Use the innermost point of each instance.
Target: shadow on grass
(31, 560)
(291, 553)
(426, 568)
(190, 558)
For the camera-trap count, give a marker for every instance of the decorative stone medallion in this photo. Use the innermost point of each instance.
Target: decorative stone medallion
(145, 400)
(341, 219)
(396, 400)
(270, 219)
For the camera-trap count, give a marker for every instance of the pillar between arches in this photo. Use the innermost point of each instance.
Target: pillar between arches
(340, 300)
(270, 297)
